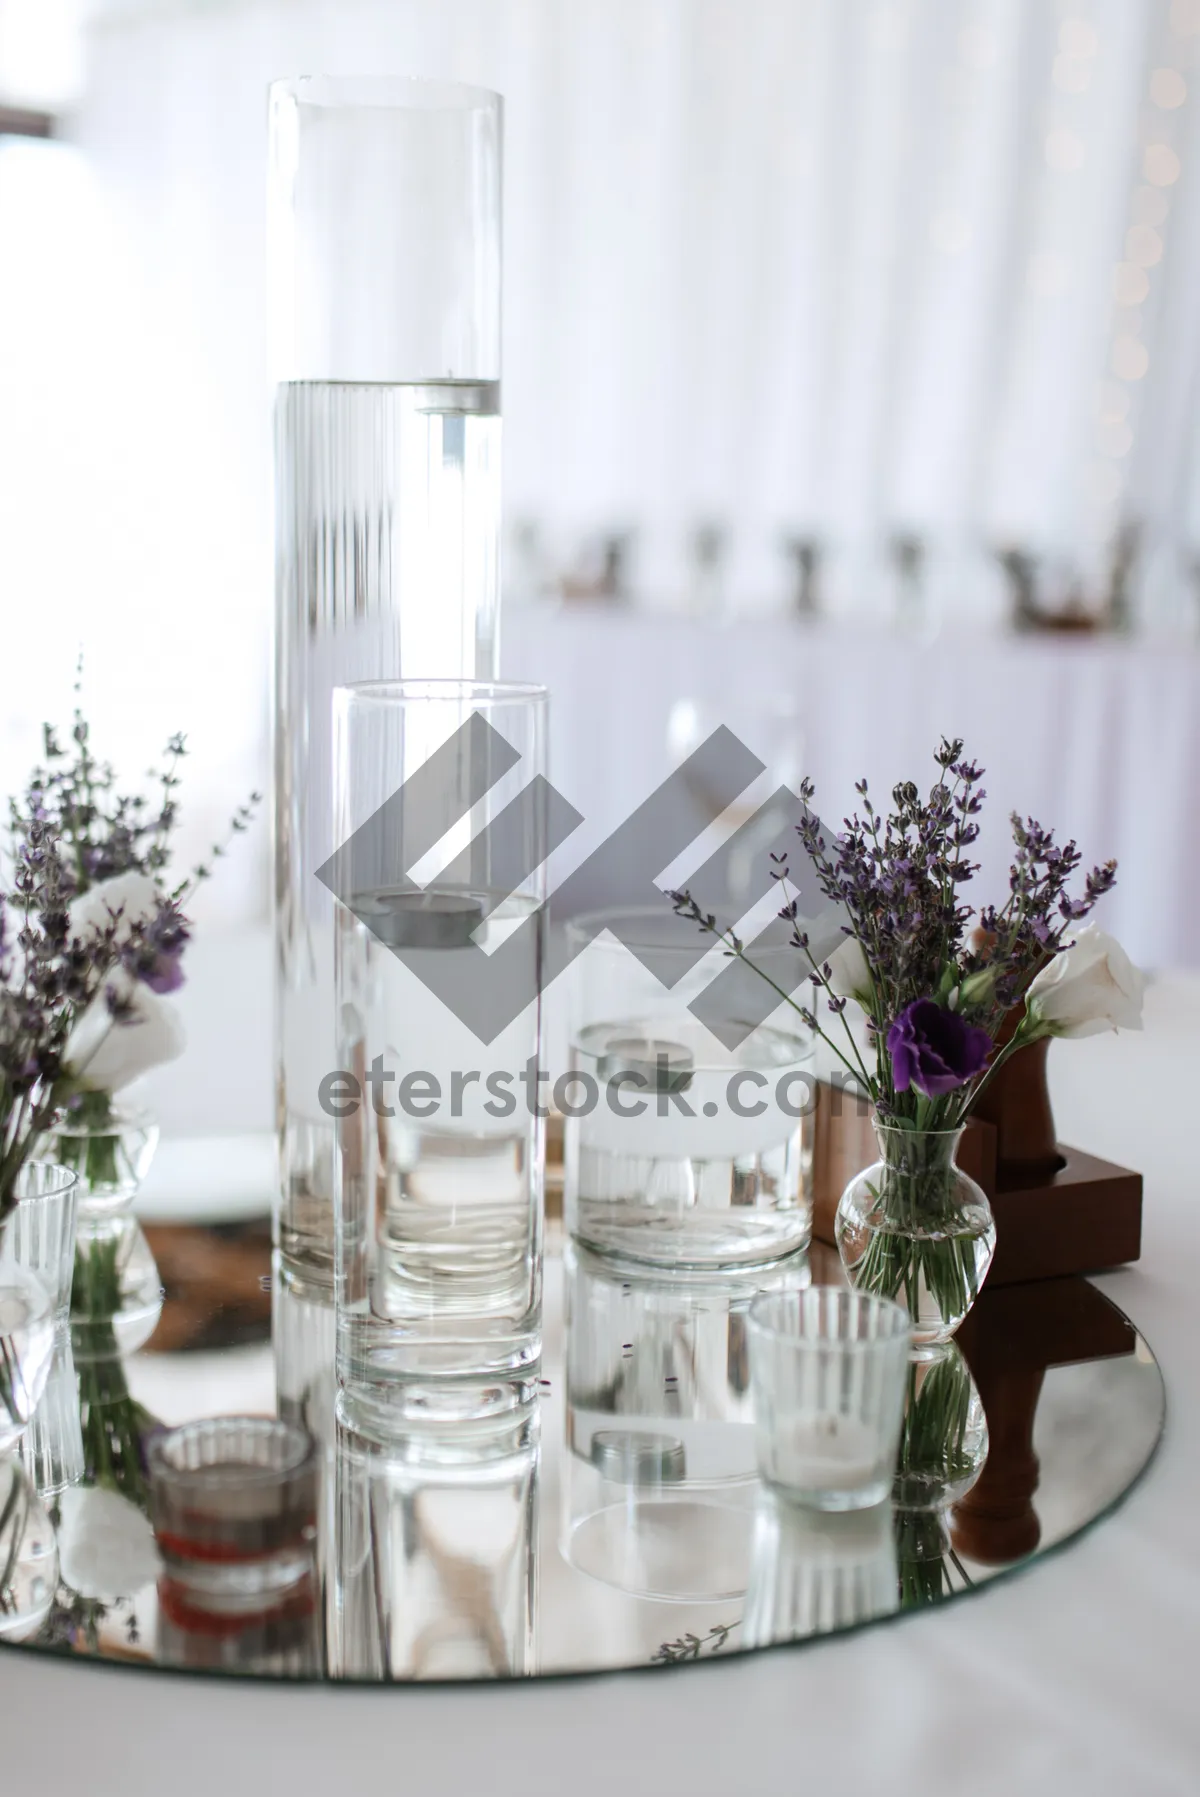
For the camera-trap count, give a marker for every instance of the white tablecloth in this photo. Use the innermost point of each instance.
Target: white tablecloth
(1077, 1676)
(1098, 739)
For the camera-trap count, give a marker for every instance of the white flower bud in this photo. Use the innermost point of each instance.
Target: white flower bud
(1087, 989)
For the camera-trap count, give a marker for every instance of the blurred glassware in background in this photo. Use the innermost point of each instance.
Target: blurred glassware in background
(658, 1478)
(601, 569)
(709, 593)
(688, 1134)
(435, 1560)
(384, 254)
(908, 552)
(1051, 594)
(805, 555)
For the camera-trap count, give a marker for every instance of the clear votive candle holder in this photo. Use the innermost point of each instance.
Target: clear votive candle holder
(827, 1372)
(233, 1501)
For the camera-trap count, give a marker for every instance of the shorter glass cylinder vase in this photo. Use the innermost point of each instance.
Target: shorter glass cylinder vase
(117, 1294)
(915, 1228)
(438, 1172)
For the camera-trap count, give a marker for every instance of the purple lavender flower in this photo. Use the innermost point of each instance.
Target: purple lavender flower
(934, 1050)
(157, 958)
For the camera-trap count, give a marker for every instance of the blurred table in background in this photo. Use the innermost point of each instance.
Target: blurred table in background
(1098, 738)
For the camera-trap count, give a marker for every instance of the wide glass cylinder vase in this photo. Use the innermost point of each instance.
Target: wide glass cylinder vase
(688, 1133)
(384, 257)
(443, 820)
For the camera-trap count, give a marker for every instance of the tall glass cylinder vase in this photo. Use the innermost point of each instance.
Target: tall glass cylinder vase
(445, 820)
(384, 235)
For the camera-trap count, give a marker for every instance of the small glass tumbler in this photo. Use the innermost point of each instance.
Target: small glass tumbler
(827, 1370)
(41, 1230)
(445, 820)
(233, 1501)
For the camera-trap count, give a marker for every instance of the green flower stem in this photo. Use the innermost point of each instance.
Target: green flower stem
(918, 1241)
(936, 1413)
(12, 1528)
(112, 1423)
(91, 1150)
(925, 1559)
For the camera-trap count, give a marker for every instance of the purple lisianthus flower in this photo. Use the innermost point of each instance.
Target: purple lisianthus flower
(166, 973)
(934, 1050)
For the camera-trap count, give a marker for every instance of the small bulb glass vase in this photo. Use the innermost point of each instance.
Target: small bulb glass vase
(117, 1294)
(915, 1228)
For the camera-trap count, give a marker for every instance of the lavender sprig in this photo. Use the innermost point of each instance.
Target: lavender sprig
(49, 975)
(74, 830)
(105, 832)
(898, 878)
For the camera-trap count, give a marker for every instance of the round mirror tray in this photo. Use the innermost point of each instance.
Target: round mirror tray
(618, 1522)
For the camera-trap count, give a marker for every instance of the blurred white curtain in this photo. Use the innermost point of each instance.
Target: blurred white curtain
(839, 266)
(846, 267)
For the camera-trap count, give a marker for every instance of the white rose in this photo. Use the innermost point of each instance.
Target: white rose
(1090, 987)
(104, 1055)
(131, 898)
(849, 975)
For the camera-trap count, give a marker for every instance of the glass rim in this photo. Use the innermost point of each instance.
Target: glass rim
(67, 1177)
(491, 694)
(595, 924)
(883, 1128)
(900, 1323)
(216, 1474)
(122, 1117)
(397, 93)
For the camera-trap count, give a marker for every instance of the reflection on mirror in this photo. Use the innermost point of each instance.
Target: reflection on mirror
(617, 1519)
(434, 1567)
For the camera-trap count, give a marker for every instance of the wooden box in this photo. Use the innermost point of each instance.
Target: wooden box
(1086, 1218)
